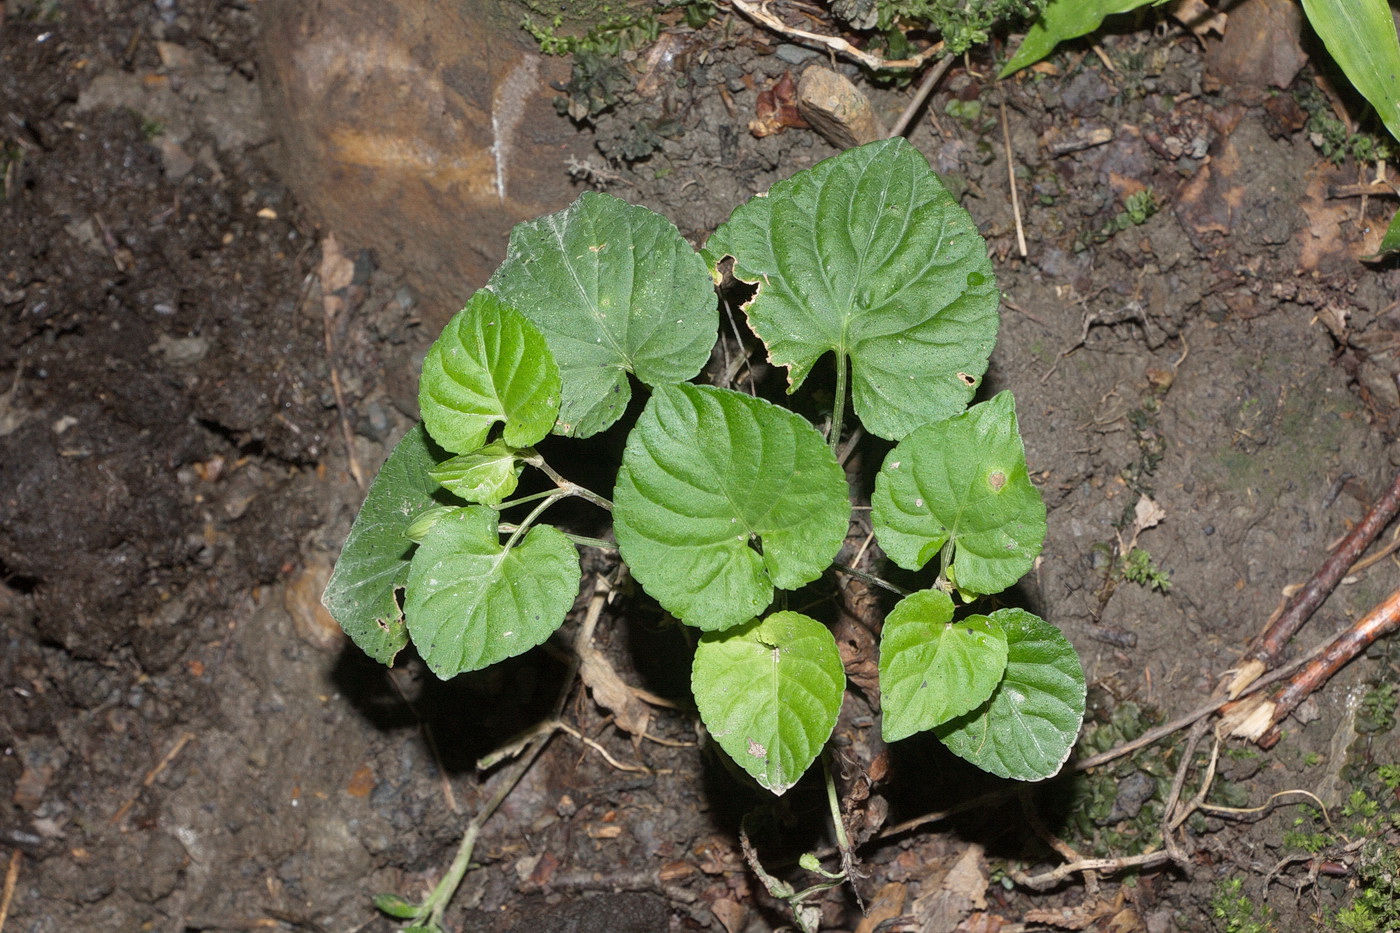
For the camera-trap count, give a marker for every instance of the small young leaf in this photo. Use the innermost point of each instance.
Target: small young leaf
(963, 479)
(932, 669)
(362, 594)
(490, 364)
(722, 497)
(1026, 729)
(867, 254)
(424, 521)
(769, 692)
(396, 906)
(1061, 21)
(615, 289)
(487, 475)
(471, 603)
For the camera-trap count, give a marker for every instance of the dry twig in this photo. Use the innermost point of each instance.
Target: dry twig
(759, 14)
(151, 775)
(1269, 645)
(11, 880)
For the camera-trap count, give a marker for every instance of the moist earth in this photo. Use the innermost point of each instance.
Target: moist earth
(189, 409)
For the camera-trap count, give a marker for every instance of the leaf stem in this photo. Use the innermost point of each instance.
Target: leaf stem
(843, 841)
(566, 486)
(838, 407)
(524, 526)
(580, 540)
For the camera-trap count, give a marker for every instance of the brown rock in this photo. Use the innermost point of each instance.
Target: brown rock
(422, 129)
(1262, 48)
(836, 108)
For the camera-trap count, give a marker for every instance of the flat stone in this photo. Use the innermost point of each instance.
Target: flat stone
(836, 108)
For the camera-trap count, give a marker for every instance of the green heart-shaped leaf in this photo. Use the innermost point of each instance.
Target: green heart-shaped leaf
(490, 364)
(470, 602)
(1027, 728)
(962, 480)
(615, 289)
(722, 497)
(373, 565)
(867, 254)
(769, 693)
(932, 669)
(486, 475)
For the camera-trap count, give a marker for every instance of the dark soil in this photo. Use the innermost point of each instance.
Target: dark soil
(188, 742)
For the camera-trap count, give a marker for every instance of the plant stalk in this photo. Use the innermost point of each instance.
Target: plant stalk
(838, 407)
(524, 526)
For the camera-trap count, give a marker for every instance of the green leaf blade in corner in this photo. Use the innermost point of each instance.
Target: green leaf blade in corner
(489, 365)
(933, 669)
(1026, 730)
(1361, 36)
(362, 594)
(722, 498)
(470, 602)
(615, 289)
(962, 481)
(1063, 20)
(868, 256)
(769, 693)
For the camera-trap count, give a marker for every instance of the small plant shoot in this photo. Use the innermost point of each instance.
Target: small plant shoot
(725, 502)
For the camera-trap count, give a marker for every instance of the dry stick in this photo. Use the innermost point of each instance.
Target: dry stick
(1200, 712)
(920, 96)
(11, 880)
(1269, 646)
(758, 14)
(151, 775)
(1379, 622)
(1011, 179)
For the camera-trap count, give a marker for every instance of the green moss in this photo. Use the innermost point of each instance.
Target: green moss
(596, 26)
(961, 23)
(1234, 912)
(1138, 568)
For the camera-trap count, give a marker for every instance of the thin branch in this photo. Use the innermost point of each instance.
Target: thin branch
(920, 96)
(759, 14)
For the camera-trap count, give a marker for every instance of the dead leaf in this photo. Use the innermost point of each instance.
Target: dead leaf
(1332, 236)
(730, 914)
(968, 877)
(1199, 18)
(1146, 514)
(886, 905)
(612, 693)
(337, 272)
(776, 109)
(1210, 202)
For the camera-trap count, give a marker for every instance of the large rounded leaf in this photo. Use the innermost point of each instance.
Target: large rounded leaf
(769, 692)
(362, 594)
(931, 668)
(867, 255)
(490, 364)
(471, 602)
(722, 497)
(1028, 727)
(964, 481)
(615, 289)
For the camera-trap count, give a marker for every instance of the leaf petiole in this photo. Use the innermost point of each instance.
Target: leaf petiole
(566, 487)
(524, 526)
(838, 407)
(580, 540)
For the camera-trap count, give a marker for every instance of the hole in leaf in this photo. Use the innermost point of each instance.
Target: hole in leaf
(967, 379)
